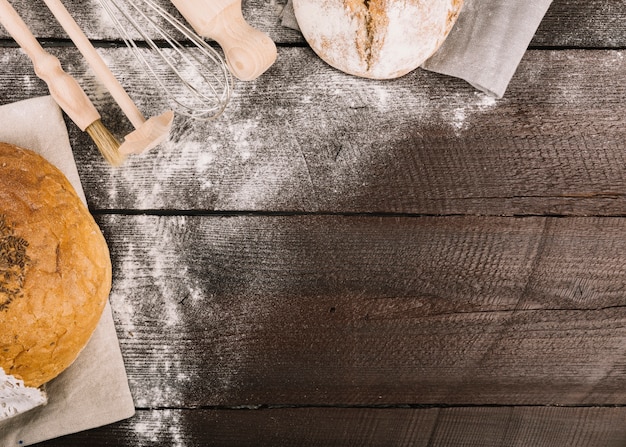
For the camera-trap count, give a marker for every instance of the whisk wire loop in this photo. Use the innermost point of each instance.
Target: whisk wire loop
(188, 71)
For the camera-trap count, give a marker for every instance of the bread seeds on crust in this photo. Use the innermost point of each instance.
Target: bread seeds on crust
(13, 260)
(379, 39)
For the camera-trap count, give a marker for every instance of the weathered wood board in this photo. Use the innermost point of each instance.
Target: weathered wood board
(568, 23)
(251, 310)
(339, 261)
(425, 427)
(424, 144)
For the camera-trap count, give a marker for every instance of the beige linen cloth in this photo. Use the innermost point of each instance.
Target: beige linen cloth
(94, 390)
(486, 44)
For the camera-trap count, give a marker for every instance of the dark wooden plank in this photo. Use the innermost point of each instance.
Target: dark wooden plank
(245, 310)
(602, 22)
(578, 23)
(423, 144)
(432, 427)
(254, 311)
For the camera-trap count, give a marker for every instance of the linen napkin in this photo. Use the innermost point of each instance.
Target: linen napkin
(486, 44)
(94, 390)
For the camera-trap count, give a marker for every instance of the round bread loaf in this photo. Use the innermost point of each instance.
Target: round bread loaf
(55, 269)
(378, 39)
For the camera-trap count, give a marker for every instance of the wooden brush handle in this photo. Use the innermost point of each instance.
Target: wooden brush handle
(96, 63)
(63, 88)
(249, 52)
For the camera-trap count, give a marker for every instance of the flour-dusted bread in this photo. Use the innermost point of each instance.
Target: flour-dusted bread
(379, 39)
(55, 271)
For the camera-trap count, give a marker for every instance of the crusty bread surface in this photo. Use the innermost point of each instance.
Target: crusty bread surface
(55, 268)
(379, 39)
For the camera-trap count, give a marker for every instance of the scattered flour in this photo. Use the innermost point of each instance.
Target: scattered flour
(154, 288)
(240, 176)
(382, 95)
(122, 286)
(29, 81)
(205, 158)
(615, 61)
(457, 113)
(143, 296)
(164, 427)
(105, 24)
(460, 118)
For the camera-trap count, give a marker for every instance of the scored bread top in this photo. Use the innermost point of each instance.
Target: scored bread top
(378, 39)
(55, 268)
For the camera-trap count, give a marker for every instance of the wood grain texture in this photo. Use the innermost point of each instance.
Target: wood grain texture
(329, 427)
(570, 23)
(440, 283)
(247, 310)
(423, 144)
(565, 21)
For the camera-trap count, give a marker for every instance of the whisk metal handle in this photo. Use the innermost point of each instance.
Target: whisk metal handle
(63, 88)
(249, 52)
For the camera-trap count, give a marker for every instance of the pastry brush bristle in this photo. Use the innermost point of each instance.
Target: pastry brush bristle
(107, 143)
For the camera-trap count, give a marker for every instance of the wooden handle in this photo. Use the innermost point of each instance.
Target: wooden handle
(63, 88)
(249, 52)
(95, 62)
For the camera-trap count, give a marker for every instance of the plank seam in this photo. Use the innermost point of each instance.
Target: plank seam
(269, 407)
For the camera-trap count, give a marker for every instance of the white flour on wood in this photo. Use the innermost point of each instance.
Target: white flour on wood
(156, 292)
(226, 161)
(164, 427)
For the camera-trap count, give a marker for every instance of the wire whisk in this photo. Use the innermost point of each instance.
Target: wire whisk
(190, 73)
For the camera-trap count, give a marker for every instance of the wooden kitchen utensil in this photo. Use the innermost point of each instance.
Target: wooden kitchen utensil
(249, 52)
(148, 133)
(63, 88)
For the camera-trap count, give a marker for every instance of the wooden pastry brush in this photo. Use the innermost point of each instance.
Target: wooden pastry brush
(63, 87)
(148, 133)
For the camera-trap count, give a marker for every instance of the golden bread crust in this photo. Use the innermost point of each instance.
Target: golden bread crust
(55, 268)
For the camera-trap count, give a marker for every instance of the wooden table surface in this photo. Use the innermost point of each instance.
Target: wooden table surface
(338, 261)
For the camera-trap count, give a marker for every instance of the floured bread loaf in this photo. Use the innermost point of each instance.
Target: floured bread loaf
(55, 272)
(379, 39)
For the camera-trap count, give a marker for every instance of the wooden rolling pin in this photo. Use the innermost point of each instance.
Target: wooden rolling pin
(249, 52)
